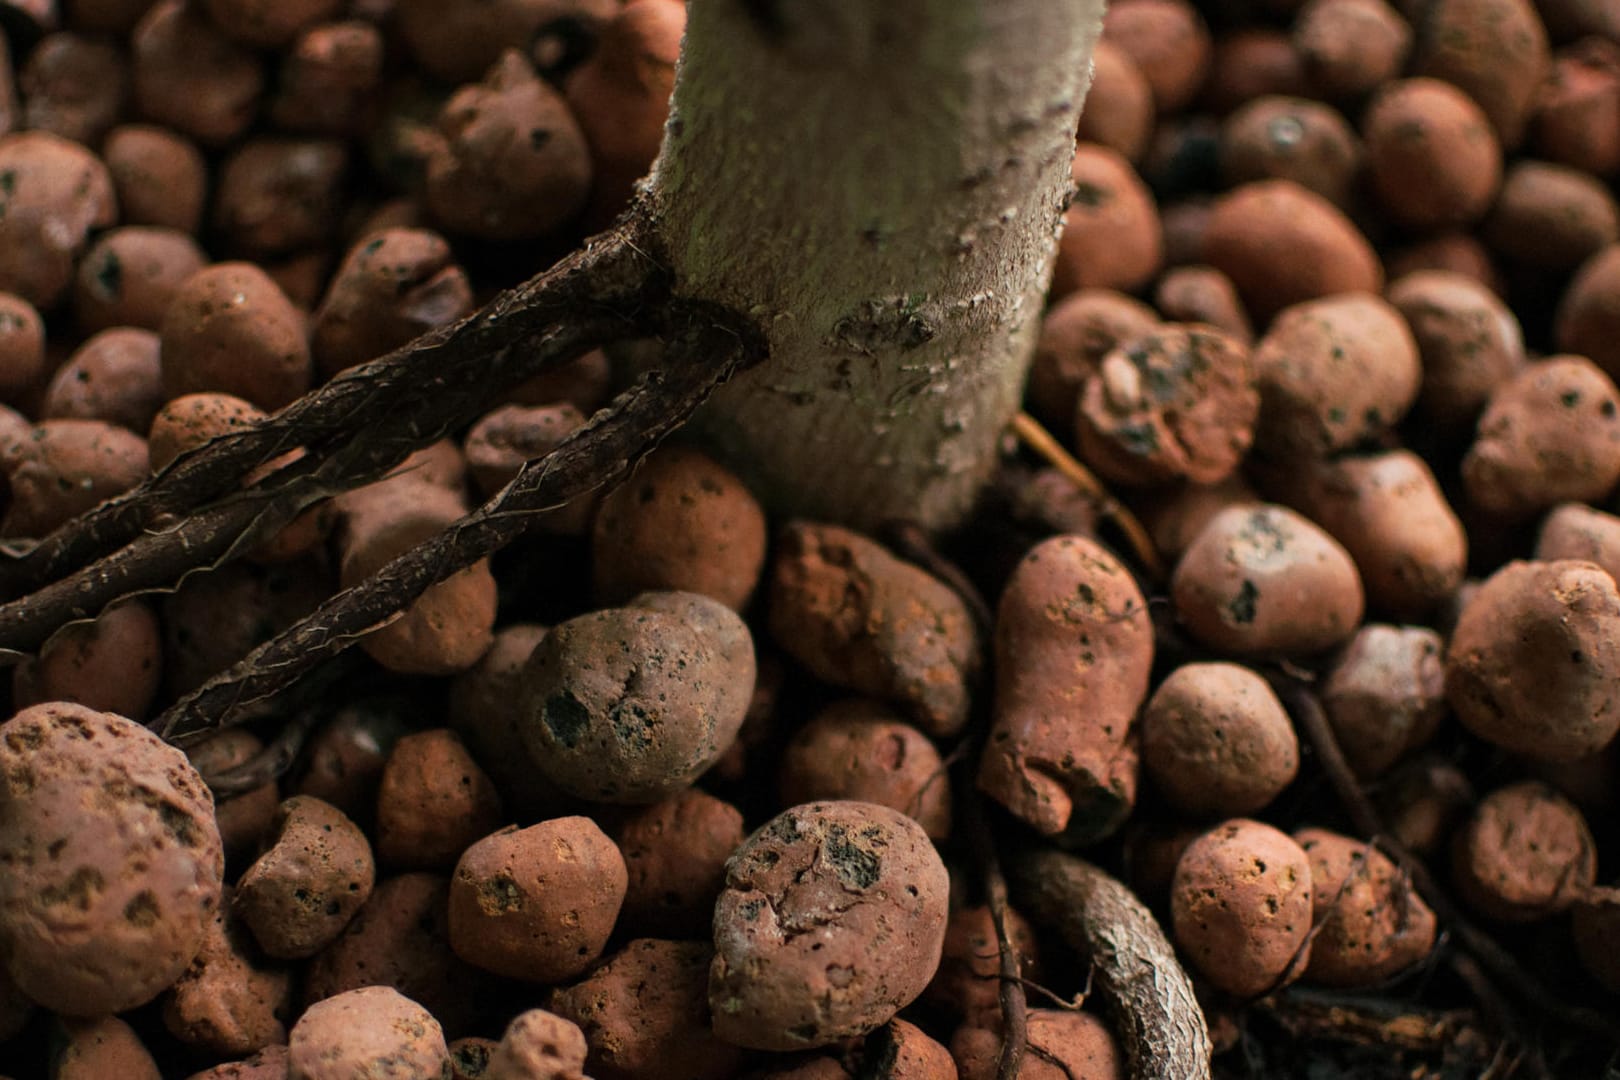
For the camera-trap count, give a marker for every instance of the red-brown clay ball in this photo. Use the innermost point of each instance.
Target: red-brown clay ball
(1333, 372)
(300, 894)
(1370, 922)
(112, 663)
(1577, 109)
(1495, 51)
(268, 24)
(469, 1057)
(486, 710)
(511, 162)
(190, 77)
(1588, 321)
(1526, 854)
(63, 468)
(1262, 580)
(1076, 333)
(645, 1014)
(159, 176)
(681, 521)
(1240, 907)
(1202, 294)
(103, 1047)
(1168, 41)
(1175, 518)
(537, 903)
(1178, 403)
(1118, 111)
(330, 79)
(433, 802)
(1532, 661)
(1217, 742)
(1423, 800)
(74, 86)
(190, 420)
(1385, 694)
(231, 1001)
(268, 1064)
(363, 1031)
(57, 194)
(393, 286)
(244, 819)
(629, 705)
(1469, 342)
(100, 911)
(1432, 158)
(675, 853)
(400, 937)
(502, 442)
(22, 347)
(906, 638)
(858, 749)
(230, 329)
(277, 195)
(1111, 234)
(116, 376)
(1290, 138)
(343, 761)
(1453, 251)
(1251, 62)
(1349, 47)
(1282, 244)
(1062, 1045)
(458, 43)
(1551, 217)
(1576, 531)
(1550, 434)
(539, 1045)
(833, 919)
(968, 981)
(215, 619)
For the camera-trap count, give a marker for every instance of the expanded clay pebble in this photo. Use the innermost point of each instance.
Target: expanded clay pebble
(645, 1014)
(268, 24)
(1551, 217)
(1468, 340)
(675, 854)
(1168, 41)
(680, 521)
(433, 801)
(1111, 234)
(63, 468)
(22, 347)
(116, 376)
(271, 1063)
(159, 176)
(112, 663)
(74, 86)
(1240, 907)
(343, 761)
(1202, 294)
(190, 420)
(298, 896)
(230, 1001)
(469, 1057)
(330, 79)
(1389, 512)
(459, 43)
(501, 442)
(101, 1048)
(967, 983)
(1332, 373)
(1533, 658)
(1217, 742)
(1061, 1046)
(1076, 333)
(1432, 159)
(1282, 244)
(620, 96)
(1385, 694)
(277, 195)
(859, 749)
(1073, 649)
(859, 618)
(1118, 111)
(400, 937)
(57, 194)
(1495, 51)
(1576, 121)
(100, 911)
(832, 920)
(1179, 402)
(245, 819)
(190, 77)
(373, 1032)
(1550, 434)
(629, 705)
(230, 329)
(1370, 923)
(1262, 580)
(538, 1045)
(511, 162)
(902, 1051)
(1251, 62)
(1525, 854)
(485, 708)
(1291, 138)
(217, 618)
(1576, 531)
(537, 903)
(393, 286)
(1588, 320)
(1349, 47)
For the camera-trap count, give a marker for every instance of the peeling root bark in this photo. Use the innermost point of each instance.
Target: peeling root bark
(1148, 995)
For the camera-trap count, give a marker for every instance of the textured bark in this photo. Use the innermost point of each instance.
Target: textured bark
(1146, 992)
(881, 186)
